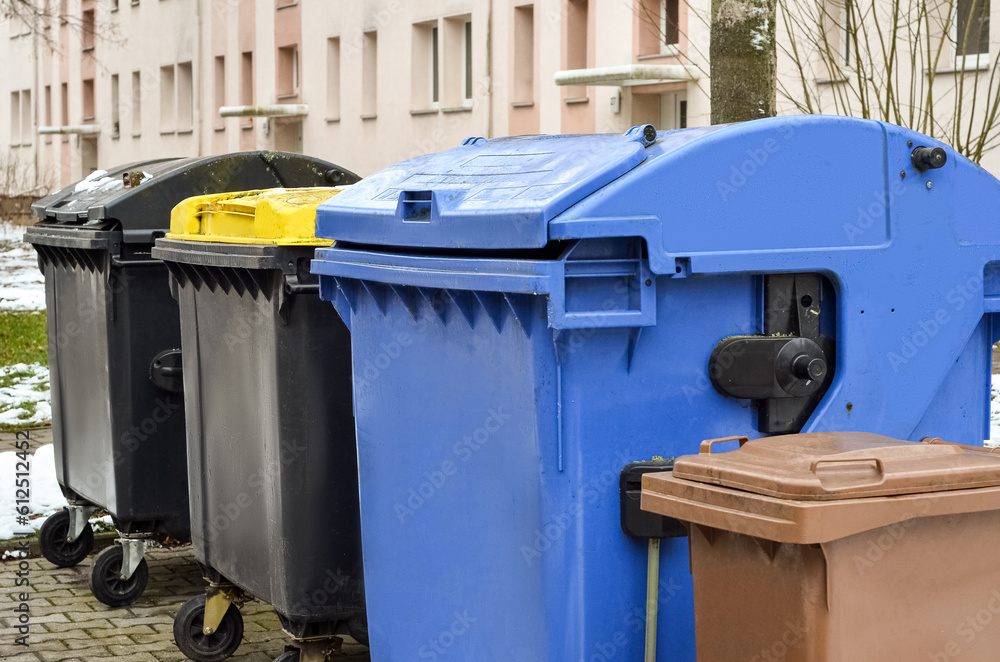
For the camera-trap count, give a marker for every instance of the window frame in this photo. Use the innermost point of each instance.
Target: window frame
(969, 62)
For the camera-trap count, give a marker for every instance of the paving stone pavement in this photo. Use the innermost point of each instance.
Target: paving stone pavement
(69, 625)
(38, 437)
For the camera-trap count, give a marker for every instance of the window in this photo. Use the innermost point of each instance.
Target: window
(87, 97)
(673, 111)
(136, 104)
(369, 75)
(168, 100)
(333, 78)
(288, 71)
(467, 62)
(576, 34)
(27, 123)
(48, 105)
(576, 44)
(846, 30)
(669, 26)
(971, 33)
(115, 116)
(425, 77)
(836, 36)
(15, 119)
(87, 29)
(220, 92)
(64, 104)
(185, 97)
(246, 85)
(524, 54)
(457, 62)
(435, 67)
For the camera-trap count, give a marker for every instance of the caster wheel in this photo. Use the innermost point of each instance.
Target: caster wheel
(196, 644)
(58, 550)
(357, 626)
(106, 583)
(288, 656)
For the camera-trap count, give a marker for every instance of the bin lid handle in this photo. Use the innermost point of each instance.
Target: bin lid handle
(706, 446)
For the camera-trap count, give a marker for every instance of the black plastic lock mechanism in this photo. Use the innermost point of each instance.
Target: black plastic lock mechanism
(635, 521)
(788, 368)
(166, 372)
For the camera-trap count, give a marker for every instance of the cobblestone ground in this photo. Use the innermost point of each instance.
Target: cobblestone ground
(69, 625)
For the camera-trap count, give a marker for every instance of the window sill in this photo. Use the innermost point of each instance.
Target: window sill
(673, 51)
(331, 120)
(185, 132)
(970, 69)
(116, 136)
(369, 117)
(287, 95)
(168, 133)
(522, 104)
(424, 111)
(832, 81)
(89, 119)
(88, 49)
(570, 102)
(219, 129)
(457, 109)
(246, 127)
(286, 5)
(137, 135)
(48, 141)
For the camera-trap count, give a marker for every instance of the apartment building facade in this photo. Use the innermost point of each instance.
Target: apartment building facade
(364, 83)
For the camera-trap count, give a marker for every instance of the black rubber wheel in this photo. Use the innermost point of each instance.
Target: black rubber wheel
(106, 583)
(358, 627)
(200, 647)
(288, 656)
(55, 547)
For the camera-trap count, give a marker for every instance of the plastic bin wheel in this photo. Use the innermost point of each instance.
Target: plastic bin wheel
(357, 626)
(200, 647)
(288, 656)
(55, 547)
(106, 583)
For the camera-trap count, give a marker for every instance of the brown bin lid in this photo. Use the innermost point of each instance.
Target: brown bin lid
(827, 466)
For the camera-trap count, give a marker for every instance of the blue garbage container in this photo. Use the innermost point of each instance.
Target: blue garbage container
(529, 315)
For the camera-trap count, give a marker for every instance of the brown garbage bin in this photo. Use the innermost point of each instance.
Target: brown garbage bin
(840, 547)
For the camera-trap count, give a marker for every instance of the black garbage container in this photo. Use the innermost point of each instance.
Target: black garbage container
(114, 352)
(273, 459)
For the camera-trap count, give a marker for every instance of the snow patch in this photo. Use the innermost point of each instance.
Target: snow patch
(45, 497)
(24, 395)
(99, 182)
(22, 286)
(994, 439)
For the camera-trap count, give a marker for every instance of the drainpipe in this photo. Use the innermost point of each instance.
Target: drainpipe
(200, 120)
(489, 68)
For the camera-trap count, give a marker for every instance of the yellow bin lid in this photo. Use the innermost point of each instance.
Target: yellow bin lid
(280, 217)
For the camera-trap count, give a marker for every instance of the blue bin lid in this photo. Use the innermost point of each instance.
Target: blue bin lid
(494, 194)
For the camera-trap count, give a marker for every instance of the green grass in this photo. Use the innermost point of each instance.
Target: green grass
(23, 338)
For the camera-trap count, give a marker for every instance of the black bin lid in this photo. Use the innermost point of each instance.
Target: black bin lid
(142, 211)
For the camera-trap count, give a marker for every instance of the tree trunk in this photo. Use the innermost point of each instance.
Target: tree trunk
(744, 60)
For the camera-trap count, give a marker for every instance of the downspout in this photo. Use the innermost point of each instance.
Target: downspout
(35, 139)
(198, 107)
(489, 68)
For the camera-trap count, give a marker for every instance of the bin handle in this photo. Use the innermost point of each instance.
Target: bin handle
(878, 463)
(706, 446)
